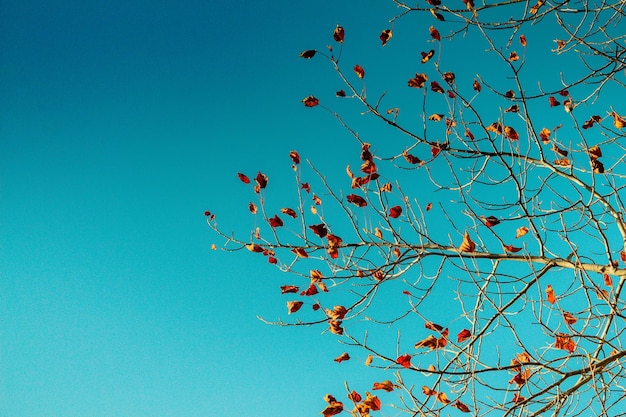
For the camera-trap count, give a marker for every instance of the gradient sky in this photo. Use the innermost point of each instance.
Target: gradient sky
(121, 123)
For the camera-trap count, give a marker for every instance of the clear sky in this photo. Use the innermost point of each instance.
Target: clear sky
(121, 123)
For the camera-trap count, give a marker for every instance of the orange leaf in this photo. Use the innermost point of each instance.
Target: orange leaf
(550, 294)
(467, 245)
(360, 72)
(284, 289)
(300, 252)
(521, 232)
(372, 402)
(510, 133)
(536, 7)
(289, 212)
(337, 313)
(418, 81)
(511, 248)
(518, 398)
(569, 318)
(385, 36)
(332, 409)
(607, 280)
(427, 55)
(595, 152)
(461, 406)
(545, 135)
(463, 335)
(562, 162)
(513, 56)
(443, 398)
(335, 327)
(522, 40)
(449, 77)
(428, 391)
(433, 326)
(252, 208)
(368, 360)
(404, 360)
(355, 397)
(343, 357)
(495, 127)
(293, 306)
(385, 385)
(565, 342)
(310, 101)
(477, 86)
(618, 121)
(429, 206)
(411, 159)
(338, 34)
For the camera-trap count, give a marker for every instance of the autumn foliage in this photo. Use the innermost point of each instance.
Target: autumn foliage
(493, 222)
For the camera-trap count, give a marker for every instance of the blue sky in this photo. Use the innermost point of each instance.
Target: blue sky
(121, 123)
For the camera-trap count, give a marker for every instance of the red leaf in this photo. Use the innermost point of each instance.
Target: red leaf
(477, 86)
(289, 212)
(261, 180)
(339, 34)
(434, 85)
(285, 289)
(340, 93)
(355, 397)
(252, 208)
(310, 101)
(319, 229)
(491, 221)
(395, 212)
(293, 306)
(385, 36)
(276, 221)
(356, 200)
(522, 40)
(463, 335)
(404, 360)
(272, 260)
(244, 178)
(418, 81)
(607, 280)
(306, 187)
(300, 252)
(360, 72)
(434, 33)
(295, 157)
(429, 206)
(385, 385)
(312, 290)
(511, 248)
(308, 54)
(433, 326)
(553, 101)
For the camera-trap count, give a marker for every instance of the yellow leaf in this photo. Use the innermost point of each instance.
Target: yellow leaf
(467, 245)
(521, 232)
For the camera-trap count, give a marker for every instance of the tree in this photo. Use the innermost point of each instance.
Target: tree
(491, 213)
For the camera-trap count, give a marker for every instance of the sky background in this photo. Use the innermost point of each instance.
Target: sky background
(122, 122)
